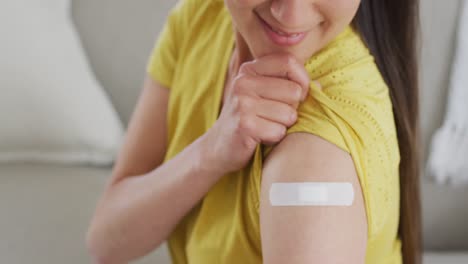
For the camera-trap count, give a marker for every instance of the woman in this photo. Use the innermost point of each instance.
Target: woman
(229, 109)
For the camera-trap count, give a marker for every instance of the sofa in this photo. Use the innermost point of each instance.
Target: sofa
(46, 208)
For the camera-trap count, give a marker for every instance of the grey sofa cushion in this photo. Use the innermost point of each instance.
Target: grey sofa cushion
(46, 211)
(445, 258)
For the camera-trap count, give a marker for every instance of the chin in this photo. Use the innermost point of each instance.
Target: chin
(301, 52)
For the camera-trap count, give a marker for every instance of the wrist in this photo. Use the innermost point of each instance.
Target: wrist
(205, 162)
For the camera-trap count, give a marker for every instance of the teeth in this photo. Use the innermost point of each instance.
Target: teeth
(286, 35)
(280, 33)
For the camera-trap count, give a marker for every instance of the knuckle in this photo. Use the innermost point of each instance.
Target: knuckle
(291, 112)
(246, 124)
(240, 84)
(244, 104)
(247, 142)
(245, 67)
(287, 64)
(296, 90)
(235, 103)
(279, 133)
(292, 117)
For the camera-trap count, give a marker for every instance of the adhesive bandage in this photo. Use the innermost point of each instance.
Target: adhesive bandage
(312, 194)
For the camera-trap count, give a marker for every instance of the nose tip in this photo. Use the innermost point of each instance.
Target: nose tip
(295, 14)
(292, 13)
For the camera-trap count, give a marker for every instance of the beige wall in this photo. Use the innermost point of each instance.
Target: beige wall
(118, 36)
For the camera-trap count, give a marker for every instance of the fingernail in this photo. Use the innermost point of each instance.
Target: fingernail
(299, 94)
(293, 116)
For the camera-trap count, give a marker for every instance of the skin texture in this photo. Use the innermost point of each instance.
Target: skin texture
(311, 234)
(260, 105)
(321, 19)
(128, 223)
(265, 85)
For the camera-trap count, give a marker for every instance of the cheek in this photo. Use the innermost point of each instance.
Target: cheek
(241, 10)
(242, 13)
(340, 12)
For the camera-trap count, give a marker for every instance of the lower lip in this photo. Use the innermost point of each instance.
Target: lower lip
(280, 39)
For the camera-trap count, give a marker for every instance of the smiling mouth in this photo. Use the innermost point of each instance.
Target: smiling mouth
(279, 32)
(291, 35)
(280, 37)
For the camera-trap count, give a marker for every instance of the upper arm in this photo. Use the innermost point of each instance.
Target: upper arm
(145, 142)
(311, 234)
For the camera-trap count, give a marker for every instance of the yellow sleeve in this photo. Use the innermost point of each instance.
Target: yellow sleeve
(165, 55)
(315, 117)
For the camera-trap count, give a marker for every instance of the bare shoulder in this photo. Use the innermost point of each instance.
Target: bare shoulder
(311, 234)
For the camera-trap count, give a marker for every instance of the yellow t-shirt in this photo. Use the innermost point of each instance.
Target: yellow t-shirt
(353, 111)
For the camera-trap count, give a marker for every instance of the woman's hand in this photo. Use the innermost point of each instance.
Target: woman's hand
(261, 105)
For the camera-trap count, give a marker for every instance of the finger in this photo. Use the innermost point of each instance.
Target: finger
(276, 112)
(276, 89)
(279, 65)
(267, 132)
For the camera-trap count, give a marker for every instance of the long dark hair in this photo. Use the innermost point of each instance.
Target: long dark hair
(390, 30)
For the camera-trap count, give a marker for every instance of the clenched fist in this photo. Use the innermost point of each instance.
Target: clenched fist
(262, 104)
